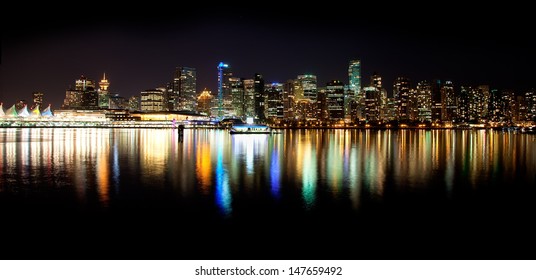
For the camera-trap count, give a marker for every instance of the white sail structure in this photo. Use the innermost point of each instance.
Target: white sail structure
(24, 112)
(2, 113)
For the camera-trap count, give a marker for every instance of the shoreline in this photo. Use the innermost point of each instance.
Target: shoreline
(149, 126)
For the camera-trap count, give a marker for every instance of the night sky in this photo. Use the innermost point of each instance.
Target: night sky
(139, 49)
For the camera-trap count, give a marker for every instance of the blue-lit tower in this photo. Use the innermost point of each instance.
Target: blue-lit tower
(221, 83)
(354, 76)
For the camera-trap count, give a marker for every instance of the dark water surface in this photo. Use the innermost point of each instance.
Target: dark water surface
(303, 194)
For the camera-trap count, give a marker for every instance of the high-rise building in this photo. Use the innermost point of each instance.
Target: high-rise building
(274, 104)
(152, 100)
(288, 100)
(376, 81)
(305, 96)
(495, 106)
(448, 102)
(104, 84)
(172, 95)
(249, 97)
(462, 104)
(507, 104)
(104, 96)
(530, 98)
(237, 97)
(401, 91)
(308, 87)
(84, 84)
(260, 99)
(475, 103)
(83, 96)
(391, 109)
(484, 102)
(349, 98)
(335, 100)
(321, 105)
(224, 90)
(520, 109)
(184, 95)
(354, 110)
(372, 103)
(354, 76)
(413, 104)
(436, 100)
(37, 98)
(424, 101)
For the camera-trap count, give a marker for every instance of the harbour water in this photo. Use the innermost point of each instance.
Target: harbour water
(83, 193)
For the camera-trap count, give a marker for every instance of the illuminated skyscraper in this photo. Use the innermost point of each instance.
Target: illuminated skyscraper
(390, 110)
(520, 111)
(83, 96)
(305, 95)
(474, 103)
(354, 76)
(448, 102)
(288, 100)
(224, 90)
(401, 91)
(484, 102)
(104, 96)
(152, 100)
(249, 97)
(530, 98)
(372, 103)
(322, 113)
(495, 109)
(259, 97)
(172, 94)
(237, 97)
(424, 101)
(37, 98)
(376, 82)
(436, 100)
(507, 104)
(335, 100)
(186, 90)
(104, 84)
(462, 104)
(274, 104)
(308, 86)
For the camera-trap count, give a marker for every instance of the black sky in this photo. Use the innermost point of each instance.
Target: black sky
(140, 48)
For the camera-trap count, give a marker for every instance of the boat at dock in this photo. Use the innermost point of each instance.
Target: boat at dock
(250, 129)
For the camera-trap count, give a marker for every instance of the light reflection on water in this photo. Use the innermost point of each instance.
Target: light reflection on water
(322, 166)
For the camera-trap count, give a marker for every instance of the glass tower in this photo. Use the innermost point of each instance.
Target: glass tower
(354, 76)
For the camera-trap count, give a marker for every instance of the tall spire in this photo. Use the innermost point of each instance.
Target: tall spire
(104, 84)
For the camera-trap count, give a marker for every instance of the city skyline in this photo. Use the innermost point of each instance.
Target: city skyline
(139, 54)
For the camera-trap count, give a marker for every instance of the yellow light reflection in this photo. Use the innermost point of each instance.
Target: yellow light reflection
(204, 166)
